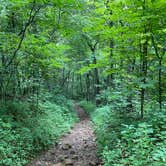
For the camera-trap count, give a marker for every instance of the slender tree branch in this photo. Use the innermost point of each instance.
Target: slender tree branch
(90, 44)
(155, 47)
(32, 16)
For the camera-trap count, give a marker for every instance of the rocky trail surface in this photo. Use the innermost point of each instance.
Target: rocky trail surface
(77, 148)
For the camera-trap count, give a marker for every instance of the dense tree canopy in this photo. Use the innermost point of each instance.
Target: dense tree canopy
(108, 52)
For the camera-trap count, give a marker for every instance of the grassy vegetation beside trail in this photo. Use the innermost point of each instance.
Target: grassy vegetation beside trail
(123, 139)
(27, 129)
(88, 106)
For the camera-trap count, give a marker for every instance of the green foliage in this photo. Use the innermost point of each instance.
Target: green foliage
(124, 140)
(25, 131)
(88, 106)
(109, 51)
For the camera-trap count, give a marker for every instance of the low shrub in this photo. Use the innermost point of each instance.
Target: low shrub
(88, 106)
(26, 130)
(125, 140)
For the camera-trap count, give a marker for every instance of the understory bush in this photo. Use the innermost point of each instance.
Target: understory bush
(27, 129)
(88, 106)
(124, 140)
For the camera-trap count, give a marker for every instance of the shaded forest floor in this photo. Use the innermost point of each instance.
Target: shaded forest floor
(77, 148)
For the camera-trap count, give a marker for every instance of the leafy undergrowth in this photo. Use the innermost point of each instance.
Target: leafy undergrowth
(124, 140)
(26, 129)
(88, 106)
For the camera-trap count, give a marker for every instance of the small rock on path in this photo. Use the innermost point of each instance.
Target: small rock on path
(78, 148)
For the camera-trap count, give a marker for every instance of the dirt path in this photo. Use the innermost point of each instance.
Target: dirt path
(77, 148)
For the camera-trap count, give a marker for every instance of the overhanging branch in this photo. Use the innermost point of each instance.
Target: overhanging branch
(32, 15)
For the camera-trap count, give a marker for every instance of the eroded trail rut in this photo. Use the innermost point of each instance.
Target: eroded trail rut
(78, 148)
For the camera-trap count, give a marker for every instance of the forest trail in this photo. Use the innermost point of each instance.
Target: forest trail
(77, 148)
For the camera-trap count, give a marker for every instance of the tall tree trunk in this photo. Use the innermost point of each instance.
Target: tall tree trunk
(96, 82)
(160, 57)
(88, 87)
(144, 74)
(110, 78)
(160, 84)
(72, 88)
(2, 75)
(130, 70)
(144, 62)
(81, 86)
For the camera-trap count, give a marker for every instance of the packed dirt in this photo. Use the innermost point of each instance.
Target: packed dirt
(77, 148)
